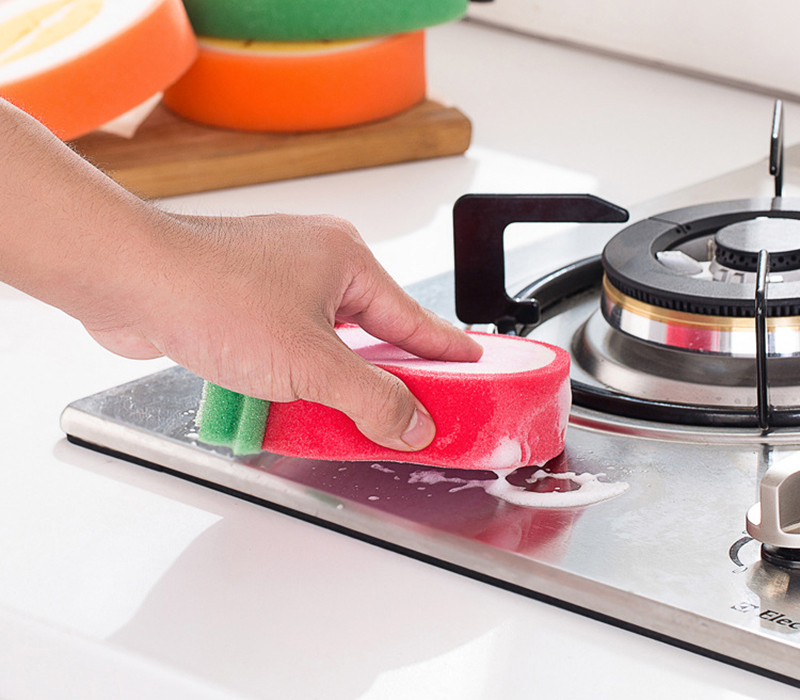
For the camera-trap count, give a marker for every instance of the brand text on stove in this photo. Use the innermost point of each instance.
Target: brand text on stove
(779, 618)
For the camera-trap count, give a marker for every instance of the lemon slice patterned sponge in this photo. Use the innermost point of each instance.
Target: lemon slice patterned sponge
(77, 64)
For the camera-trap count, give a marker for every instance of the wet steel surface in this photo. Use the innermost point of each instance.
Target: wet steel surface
(657, 542)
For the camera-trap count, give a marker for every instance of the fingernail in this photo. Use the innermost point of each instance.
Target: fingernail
(420, 430)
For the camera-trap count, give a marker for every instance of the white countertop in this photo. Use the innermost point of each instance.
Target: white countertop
(118, 582)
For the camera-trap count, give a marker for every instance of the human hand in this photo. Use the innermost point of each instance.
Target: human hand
(247, 303)
(250, 304)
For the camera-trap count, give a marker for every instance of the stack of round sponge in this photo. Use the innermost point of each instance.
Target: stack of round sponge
(306, 65)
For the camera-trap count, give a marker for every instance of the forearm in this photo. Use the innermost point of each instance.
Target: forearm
(67, 229)
(248, 303)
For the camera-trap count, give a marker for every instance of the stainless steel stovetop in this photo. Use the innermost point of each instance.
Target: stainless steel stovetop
(638, 523)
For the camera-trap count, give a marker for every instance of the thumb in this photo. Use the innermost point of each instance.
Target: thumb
(380, 404)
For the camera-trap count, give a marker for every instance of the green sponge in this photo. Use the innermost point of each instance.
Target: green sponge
(232, 420)
(317, 20)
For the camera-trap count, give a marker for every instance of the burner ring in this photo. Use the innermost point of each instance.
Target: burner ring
(733, 336)
(631, 265)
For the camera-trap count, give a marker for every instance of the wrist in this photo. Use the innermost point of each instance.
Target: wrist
(68, 230)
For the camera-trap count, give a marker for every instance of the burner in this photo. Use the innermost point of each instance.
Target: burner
(618, 374)
(659, 329)
(738, 245)
(685, 279)
(632, 264)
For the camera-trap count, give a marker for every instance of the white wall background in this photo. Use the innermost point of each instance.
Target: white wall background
(756, 42)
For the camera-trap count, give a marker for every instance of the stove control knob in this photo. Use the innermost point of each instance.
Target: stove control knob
(775, 520)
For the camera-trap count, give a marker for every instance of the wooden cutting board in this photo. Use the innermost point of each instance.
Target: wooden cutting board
(172, 156)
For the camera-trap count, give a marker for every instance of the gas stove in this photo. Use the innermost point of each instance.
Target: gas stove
(673, 510)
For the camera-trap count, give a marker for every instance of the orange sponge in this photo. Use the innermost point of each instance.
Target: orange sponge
(293, 86)
(77, 64)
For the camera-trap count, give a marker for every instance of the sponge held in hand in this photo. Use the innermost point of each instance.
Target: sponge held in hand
(508, 410)
(232, 420)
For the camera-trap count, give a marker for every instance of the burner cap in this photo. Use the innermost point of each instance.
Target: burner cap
(738, 245)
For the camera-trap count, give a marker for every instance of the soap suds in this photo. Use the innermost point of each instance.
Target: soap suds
(430, 477)
(508, 454)
(578, 490)
(564, 405)
(589, 490)
(381, 468)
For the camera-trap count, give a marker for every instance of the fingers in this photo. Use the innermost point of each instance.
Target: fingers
(425, 334)
(388, 313)
(276, 311)
(381, 406)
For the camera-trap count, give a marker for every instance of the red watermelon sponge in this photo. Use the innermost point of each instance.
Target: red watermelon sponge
(509, 409)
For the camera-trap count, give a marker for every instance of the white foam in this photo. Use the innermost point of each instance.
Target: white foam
(429, 477)
(590, 490)
(564, 405)
(507, 455)
(501, 354)
(381, 468)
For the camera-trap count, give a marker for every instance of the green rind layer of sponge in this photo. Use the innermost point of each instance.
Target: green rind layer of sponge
(232, 420)
(317, 20)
